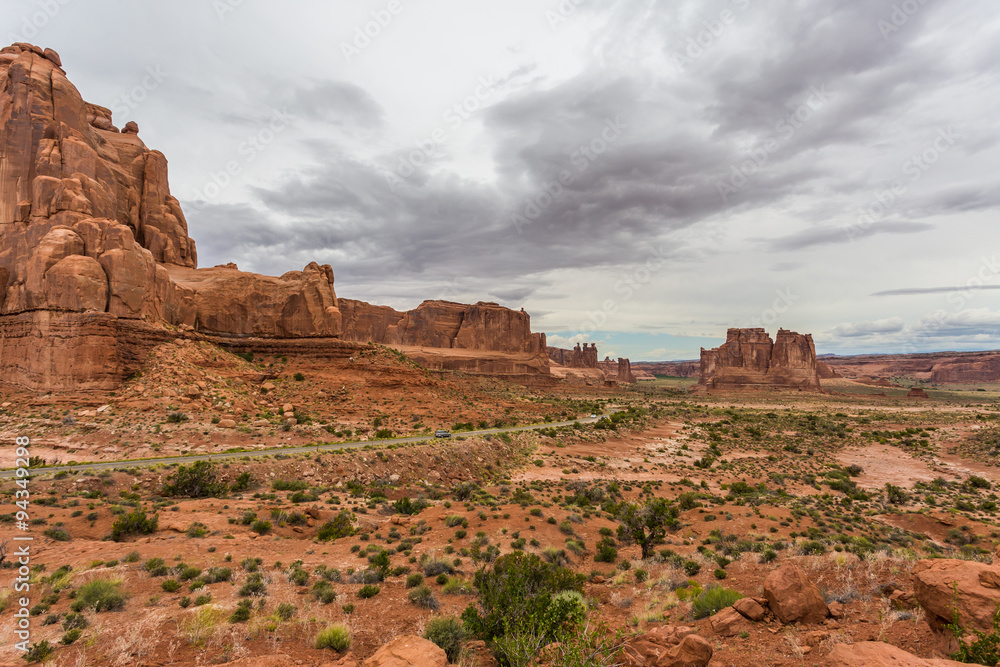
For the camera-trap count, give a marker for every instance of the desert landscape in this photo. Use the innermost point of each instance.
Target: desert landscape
(206, 465)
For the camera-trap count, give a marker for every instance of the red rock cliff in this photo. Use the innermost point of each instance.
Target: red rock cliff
(749, 358)
(91, 238)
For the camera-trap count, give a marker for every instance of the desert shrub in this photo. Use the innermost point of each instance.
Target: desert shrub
(75, 621)
(100, 595)
(414, 580)
(646, 525)
(436, 567)
(199, 480)
(38, 652)
(261, 527)
(423, 596)
(323, 592)
(289, 485)
(336, 637)
(340, 526)
(197, 530)
(606, 551)
(57, 534)
(406, 506)
(984, 649)
(170, 585)
(254, 586)
(447, 632)
(515, 594)
(691, 568)
(285, 611)
(368, 591)
(713, 600)
(134, 523)
(242, 612)
(217, 575)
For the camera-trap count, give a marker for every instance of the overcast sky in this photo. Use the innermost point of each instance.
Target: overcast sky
(640, 173)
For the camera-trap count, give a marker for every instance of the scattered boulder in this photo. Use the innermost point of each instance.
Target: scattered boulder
(878, 654)
(751, 609)
(668, 646)
(226, 423)
(945, 586)
(729, 622)
(408, 651)
(793, 597)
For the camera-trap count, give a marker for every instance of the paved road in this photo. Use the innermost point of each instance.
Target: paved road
(287, 451)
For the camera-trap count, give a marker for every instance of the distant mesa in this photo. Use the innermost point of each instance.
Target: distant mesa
(581, 365)
(918, 392)
(97, 267)
(751, 359)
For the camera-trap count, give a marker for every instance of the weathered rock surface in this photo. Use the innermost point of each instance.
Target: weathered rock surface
(677, 369)
(749, 358)
(751, 609)
(619, 371)
(918, 392)
(793, 597)
(668, 646)
(945, 586)
(730, 622)
(877, 654)
(408, 651)
(578, 357)
(983, 367)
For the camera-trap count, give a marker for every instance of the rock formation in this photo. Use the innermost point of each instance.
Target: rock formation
(677, 369)
(969, 368)
(96, 263)
(585, 357)
(570, 362)
(918, 392)
(619, 371)
(749, 358)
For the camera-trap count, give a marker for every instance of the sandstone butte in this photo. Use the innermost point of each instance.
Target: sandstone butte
(96, 264)
(750, 359)
(581, 365)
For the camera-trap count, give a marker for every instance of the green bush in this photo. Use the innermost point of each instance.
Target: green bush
(254, 586)
(422, 596)
(100, 595)
(414, 580)
(38, 652)
(515, 595)
(134, 523)
(198, 480)
(170, 585)
(286, 610)
(447, 632)
(984, 650)
(336, 637)
(242, 612)
(57, 534)
(368, 591)
(340, 526)
(713, 600)
(606, 551)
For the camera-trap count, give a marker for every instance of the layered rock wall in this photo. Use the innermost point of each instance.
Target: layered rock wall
(619, 371)
(749, 358)
(578, 357)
